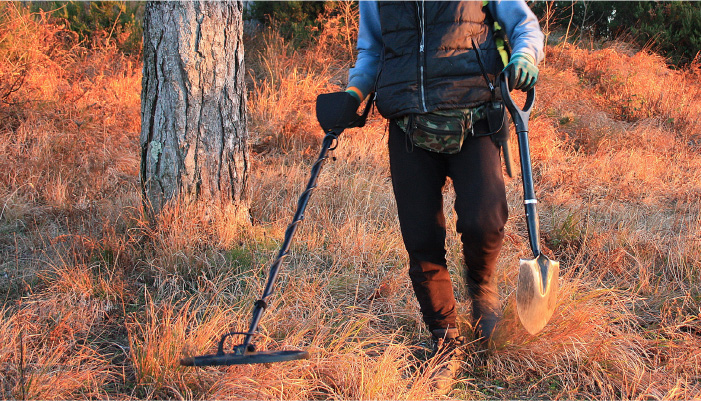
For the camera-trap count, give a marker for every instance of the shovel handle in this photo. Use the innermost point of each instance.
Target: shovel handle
(520, 117)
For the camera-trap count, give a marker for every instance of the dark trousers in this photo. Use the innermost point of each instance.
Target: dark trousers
(418, 177)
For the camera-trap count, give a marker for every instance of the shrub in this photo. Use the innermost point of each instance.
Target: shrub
(670, 28)
(301, 21)
(100, 21)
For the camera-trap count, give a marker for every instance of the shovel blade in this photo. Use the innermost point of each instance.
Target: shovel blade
(536, 296)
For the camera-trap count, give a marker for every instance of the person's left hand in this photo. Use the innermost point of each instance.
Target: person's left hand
(521, 72)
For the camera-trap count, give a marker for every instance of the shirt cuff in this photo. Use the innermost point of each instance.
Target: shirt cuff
(356, 93)
(524, 55)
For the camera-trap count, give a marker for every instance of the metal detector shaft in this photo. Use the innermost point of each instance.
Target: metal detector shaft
(261, 304)
(327, 144)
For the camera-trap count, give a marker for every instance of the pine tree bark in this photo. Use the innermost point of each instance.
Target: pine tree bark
(193, 103)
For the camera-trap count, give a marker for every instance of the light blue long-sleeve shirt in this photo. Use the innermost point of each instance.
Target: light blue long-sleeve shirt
(517, 20)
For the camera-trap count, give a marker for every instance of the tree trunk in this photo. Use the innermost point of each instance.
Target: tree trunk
(193, 103)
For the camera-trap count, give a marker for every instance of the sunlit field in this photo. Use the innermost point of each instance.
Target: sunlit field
(99, 303)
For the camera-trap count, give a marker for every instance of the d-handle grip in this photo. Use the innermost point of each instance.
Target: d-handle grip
(520, 116)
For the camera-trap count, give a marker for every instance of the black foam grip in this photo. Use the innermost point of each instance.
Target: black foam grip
(336, 110)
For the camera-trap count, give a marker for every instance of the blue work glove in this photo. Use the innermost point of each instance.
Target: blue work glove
(521, 72)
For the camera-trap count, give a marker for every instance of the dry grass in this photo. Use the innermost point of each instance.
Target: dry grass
(99, 304)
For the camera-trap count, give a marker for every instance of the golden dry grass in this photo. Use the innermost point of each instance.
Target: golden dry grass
(99, 304)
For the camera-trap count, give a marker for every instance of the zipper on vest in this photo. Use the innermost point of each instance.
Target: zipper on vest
(422, 14)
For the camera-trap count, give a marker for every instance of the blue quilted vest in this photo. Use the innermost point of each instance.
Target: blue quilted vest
(429, 62)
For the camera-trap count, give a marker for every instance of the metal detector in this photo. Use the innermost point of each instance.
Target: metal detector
(246, 353)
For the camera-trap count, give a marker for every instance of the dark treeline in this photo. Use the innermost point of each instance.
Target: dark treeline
(93, 21)
(670, 28)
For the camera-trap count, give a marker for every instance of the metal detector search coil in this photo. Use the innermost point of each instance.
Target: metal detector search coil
(242, 355)
(246, 359)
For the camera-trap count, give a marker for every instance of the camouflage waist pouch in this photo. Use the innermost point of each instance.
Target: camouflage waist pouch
(441, 131)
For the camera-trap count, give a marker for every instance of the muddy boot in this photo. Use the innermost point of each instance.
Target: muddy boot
(447, 348)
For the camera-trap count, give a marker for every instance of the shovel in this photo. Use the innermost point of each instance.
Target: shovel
(536, 296)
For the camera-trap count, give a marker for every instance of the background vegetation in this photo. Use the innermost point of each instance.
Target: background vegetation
(670, 28)
(96, 303)
(99, 21)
